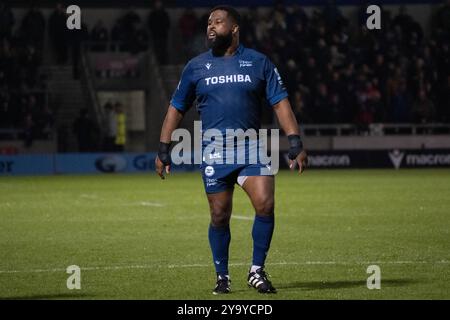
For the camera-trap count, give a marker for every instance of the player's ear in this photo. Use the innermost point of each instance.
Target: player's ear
(235, 29)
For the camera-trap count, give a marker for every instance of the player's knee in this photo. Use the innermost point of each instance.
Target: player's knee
(220, 218)
(265, 206)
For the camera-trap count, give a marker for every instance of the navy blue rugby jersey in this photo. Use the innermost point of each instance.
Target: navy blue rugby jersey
(229, 89)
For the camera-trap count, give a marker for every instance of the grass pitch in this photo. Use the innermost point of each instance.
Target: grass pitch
(137, 237)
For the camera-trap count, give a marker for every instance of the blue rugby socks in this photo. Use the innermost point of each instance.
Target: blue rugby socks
(262, 235)
(219, 240)
(220, 237)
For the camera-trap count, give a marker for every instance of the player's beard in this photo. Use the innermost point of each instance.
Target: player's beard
(220, 44)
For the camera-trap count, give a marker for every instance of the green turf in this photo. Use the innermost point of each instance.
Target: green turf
(137, 237)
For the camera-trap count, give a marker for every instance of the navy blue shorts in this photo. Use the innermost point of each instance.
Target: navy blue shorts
(221, 177)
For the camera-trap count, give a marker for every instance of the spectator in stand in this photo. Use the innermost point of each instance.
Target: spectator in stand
(441, 21)
(297, 16)
(5, 108)
(333, 16)
(121, 128)
(58, 33)
(290, 75)
(401, 104)
(336, 109)
(76, 39)
(84, 130)
(311, 71)
(336, 57)
(47, 122)
(375, 102)
(143, 38)
(364, 118)
(423, 108)
(7, 21)
(130, 20)
(443, 109)
(110, 128)
(99, 34)
(188, 25)
(321, 110)
(298, 106)
(246, 31)
(28, 129)
(159, 24)
(119, 36)
(130, 23)
(33, 29)
(30, 62)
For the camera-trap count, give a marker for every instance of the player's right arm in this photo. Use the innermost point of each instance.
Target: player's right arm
(181, 101)
(171, 122)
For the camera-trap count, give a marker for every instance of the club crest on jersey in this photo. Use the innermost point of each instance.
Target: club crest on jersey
(228, 79)
(208, 65)
(244, 63)
(209, 171)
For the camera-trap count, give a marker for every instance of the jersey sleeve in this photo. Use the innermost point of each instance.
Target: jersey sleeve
(184, 94)
(275, 89)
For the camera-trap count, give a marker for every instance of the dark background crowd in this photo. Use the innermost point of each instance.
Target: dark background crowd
(23, 98)
(336, 71)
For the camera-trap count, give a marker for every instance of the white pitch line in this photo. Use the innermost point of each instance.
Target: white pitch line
(234, 216)
(89, 196)
(207, 265)
(151, 204)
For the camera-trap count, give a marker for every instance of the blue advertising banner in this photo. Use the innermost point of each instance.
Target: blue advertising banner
(26, 165)
(81, 163)
(103, 163)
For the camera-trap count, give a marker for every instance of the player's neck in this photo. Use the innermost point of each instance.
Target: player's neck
(228, 52)
(231, 49)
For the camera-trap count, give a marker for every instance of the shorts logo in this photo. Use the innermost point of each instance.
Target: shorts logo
(209, 171)
(215, 155)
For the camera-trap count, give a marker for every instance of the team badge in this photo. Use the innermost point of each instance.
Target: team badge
(209, 171)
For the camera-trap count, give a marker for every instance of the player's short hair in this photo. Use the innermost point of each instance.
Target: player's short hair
(232, 12)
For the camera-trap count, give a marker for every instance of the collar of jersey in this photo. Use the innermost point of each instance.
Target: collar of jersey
(238, 51)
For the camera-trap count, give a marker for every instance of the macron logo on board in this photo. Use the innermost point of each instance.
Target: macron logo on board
(396, 158)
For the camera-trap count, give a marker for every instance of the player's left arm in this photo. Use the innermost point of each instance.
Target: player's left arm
(288, 122)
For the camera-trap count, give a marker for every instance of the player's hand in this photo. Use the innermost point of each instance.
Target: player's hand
(160, 168)
(301, 160)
